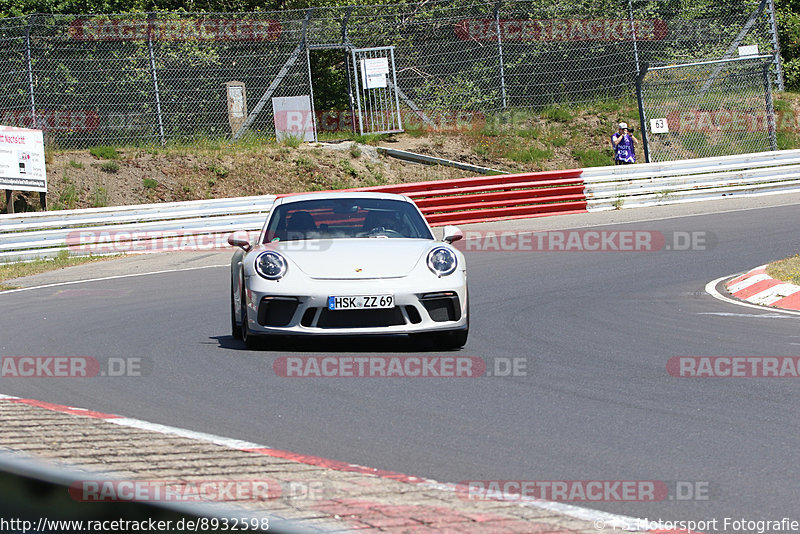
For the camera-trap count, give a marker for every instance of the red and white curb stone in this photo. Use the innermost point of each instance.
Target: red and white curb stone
(757, 287)
(603, 521)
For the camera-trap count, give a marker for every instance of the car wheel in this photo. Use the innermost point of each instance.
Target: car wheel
(250, 340)
(236, 329)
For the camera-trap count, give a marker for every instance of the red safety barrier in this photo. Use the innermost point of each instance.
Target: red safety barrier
(493, 198)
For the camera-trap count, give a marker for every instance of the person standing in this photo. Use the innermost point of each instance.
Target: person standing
(624, 145)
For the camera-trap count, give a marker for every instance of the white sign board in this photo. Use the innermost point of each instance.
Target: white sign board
(22, 166)
(659, 126)
(374, 72)
(293, 117)
(749, 50)
(236, 95)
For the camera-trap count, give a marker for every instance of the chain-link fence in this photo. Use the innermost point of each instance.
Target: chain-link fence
(705, 109)
(149, 78)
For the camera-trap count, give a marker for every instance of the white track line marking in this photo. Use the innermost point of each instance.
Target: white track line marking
(115, 277)
(184, 433)
(711, 289)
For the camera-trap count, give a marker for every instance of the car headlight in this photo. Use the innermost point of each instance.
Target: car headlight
(442, 261)
(271, 265)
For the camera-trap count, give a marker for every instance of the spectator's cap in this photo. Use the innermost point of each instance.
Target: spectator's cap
(623, 126)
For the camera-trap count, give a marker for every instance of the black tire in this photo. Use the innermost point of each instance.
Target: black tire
(236, 329)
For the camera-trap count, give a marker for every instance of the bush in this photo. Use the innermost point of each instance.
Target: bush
(110, 167)
(104, 152)
(99, 197)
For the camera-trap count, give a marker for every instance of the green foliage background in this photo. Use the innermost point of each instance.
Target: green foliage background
(788, 15)
(787, 12)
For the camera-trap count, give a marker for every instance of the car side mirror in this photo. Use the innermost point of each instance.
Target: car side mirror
(241, 239)
(452, 233)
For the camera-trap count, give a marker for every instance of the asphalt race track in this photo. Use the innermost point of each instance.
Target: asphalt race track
(596, 330)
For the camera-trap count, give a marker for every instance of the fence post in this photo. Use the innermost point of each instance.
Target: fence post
(500, 53)
(773, 141)
(776, 47)
(150, 18)
(29, 61)
(633, 32)
(642, 114)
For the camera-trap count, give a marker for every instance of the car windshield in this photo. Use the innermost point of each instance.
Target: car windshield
(338, 218)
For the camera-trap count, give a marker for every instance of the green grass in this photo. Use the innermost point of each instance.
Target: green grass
(529, 155)
(531, 132)
(293, 141)
(304, 163)
(787, 270)
(556, 140)
(779, 104)
(99, 197)
(110, 167)
(355, 152)
(75, 164)
(9, 271)
(370, 139)
(557, 113)
(149, 183)
(348, 168)
(787, 140)
(68, 198)
(415, 129)
(104, 152)
(220, 171)
(593, 158)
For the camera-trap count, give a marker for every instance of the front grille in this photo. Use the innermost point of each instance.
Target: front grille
(360, 318)
(442, 306)
(276, 311)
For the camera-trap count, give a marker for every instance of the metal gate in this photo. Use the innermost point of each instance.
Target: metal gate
(375, 87)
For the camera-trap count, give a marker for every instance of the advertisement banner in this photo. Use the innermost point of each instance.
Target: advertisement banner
(22, 166)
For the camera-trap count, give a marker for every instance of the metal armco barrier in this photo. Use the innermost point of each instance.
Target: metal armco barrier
(467, 200)
(491, 198)
(26, 236)
(654, 184)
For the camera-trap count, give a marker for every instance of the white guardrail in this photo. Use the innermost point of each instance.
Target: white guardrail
(171, 226)
(652, 184)
(139, 228)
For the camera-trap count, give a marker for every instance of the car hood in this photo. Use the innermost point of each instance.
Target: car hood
(355, 259)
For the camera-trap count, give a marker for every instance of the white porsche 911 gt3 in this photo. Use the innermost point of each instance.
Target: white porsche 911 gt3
(349, 264)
